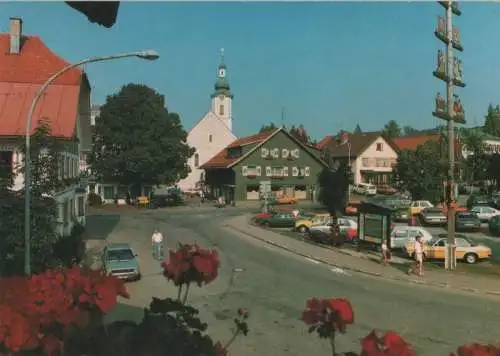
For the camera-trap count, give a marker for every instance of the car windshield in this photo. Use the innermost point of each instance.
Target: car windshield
(120, 255)
(433, 240)
(467, 215)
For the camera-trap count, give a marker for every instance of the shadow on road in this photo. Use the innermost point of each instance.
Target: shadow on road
(124, 312)
(99, 227)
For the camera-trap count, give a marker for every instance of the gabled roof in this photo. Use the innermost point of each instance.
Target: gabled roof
(412, 142)
(220, 160)
(21, 75)
(218, 119)
(324, 142)
(358, 144)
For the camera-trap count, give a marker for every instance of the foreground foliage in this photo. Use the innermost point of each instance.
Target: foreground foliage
(328, 317)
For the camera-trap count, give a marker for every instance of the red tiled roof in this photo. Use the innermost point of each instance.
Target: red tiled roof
(412, 142)
(35, 64)
(22, 75)
(58, 106)
(221, 160)
(324, 142)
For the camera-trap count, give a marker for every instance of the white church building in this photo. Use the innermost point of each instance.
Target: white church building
(212, 133)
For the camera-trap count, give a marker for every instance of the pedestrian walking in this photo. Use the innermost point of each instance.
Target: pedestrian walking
(157, 243)
(418, 253)
(385, 252)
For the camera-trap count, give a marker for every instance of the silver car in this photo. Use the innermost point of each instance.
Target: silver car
(433, 216)
(400, 235)
(485, 213)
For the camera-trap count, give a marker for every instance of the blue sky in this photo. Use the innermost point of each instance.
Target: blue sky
(331, 65)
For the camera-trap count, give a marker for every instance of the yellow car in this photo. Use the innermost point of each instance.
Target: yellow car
(417, 206)
(467, 250)
(303, 225)
(286, 200)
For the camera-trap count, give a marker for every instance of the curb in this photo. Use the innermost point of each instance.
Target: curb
(357, 270)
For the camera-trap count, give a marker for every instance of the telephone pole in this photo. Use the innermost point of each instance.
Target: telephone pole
(450, 110)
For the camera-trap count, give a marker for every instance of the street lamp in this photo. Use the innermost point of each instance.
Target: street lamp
(148, 55)
(348, 144)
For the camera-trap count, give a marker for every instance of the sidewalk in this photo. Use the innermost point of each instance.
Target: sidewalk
(363, 263)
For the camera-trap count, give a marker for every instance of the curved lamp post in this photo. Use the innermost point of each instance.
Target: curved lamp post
(149, 55)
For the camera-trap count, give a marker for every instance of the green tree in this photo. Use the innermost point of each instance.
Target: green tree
(45, 153)
(138, 142)
(492, 121)
(357, 130)
(476, 162)
(493, 168)
(409, 131)
(392, 129)
(268, 127)
(300, 134)
(419, 172)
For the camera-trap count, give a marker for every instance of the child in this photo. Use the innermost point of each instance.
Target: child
(385, 252)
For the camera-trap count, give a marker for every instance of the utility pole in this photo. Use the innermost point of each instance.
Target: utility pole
(450, 110)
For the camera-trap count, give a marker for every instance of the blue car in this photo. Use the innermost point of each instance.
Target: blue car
(120, 261)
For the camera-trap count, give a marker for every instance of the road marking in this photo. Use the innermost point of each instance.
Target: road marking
(337, 270)
(238, 269)
(312, 261)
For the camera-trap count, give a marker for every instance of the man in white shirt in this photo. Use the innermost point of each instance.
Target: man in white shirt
(418, 249)
(157, 243)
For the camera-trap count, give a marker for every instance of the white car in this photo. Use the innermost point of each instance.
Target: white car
(347, 226)
(366, 188)
(400, 235)
(485, 213)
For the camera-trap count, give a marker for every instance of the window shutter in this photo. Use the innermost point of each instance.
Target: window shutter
(295, 171)
(268, 171)
(244, 171)
(258, 171)
(264, 152)
(284, 153)
(307, 171)
(285, 171)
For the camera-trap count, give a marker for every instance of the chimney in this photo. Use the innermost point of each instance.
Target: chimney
(15, 34)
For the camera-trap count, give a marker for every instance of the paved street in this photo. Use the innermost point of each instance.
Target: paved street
(274, 284)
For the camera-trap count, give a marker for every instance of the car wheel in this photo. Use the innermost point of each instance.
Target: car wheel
(266, 225)
(470, 258)
(303, 229)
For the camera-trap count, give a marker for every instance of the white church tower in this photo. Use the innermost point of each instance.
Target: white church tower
(213, 132)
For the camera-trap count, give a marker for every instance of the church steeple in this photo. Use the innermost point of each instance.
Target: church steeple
(221, 87)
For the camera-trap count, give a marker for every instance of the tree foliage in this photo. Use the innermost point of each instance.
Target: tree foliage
(357, 130)
(45, 153)
(300, 134)
(334, 184)
(422, 171)
(268, 127)
(392, 129)
(476, 163)
(409, 131)
(492, 121)
(138, 141)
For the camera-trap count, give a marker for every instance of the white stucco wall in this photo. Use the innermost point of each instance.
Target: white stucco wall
(199, 138)
(373, 160)
(222, 107)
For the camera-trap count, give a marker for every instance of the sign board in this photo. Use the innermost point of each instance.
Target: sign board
(265, 186)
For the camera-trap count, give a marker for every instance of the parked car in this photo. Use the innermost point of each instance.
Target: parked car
(400, 215)
(347, 227)
(386, 190)
(494, 225)
(280, 219)
(417, 206)
(467, 250)
(351, 209)
(467, 220)
(400, 235)
(121, 261)
(303, 225)
(285, 199)
(485, 213)
(365, 189)
(433, 216)
(478, 200)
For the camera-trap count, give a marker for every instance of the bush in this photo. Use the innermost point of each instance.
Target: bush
(70, 249)
(94, 199)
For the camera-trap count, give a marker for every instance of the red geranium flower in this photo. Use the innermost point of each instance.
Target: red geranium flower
(337, 312)
(476, 349)
(389, 344)
(191, 264)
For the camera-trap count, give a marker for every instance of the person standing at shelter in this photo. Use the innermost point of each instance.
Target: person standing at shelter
(157, 243)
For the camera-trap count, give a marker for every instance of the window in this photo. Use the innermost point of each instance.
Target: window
(441, 243)
(414, 233)
(462, 243)
(366, 162)
(221, 110)
(401, 233)
(196, 160)
(277, 172)
(71, 209)
(210, 138)
(81, 206)
(234, 152)
(380, 146)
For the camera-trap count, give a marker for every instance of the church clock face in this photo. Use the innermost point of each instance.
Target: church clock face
(222, 72)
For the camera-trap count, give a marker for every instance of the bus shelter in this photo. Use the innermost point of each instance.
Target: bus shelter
(374, 224)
